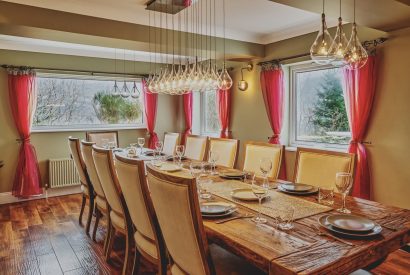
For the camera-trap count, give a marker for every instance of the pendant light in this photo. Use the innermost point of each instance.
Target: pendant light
(319, 52)
(225, 80)
(338, 49)
(125, 92)
(115, 90)
(356, 56)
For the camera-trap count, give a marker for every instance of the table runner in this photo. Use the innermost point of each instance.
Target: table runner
(270, 206)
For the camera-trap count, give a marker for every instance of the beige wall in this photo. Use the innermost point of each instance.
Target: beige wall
(389, 128)
(54, 145)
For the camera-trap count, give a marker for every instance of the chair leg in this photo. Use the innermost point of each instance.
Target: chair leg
(126, 269)
(110, 243)
(108, 235)
(137, 262)
(80, 219)
(90, 215)
(97, 221)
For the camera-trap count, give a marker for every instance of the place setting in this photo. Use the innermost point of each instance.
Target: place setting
(299, 189)
(217, 209)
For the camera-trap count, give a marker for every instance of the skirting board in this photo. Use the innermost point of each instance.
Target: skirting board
(7, 197)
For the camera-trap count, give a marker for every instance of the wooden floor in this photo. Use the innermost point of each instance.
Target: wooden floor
(44, 237)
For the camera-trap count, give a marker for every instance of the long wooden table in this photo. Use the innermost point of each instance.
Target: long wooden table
(302, 250)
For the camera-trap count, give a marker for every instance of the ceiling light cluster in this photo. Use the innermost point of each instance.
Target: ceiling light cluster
(338, 51)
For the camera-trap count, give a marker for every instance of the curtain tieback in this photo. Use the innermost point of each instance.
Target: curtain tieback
(23, 140)
(275, 135)
(360, 142)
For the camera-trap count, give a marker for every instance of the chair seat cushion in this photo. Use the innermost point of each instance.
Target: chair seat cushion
(117, 220)
(146, 245)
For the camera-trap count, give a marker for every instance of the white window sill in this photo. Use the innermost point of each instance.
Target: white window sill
(84, 129)
(340, 148)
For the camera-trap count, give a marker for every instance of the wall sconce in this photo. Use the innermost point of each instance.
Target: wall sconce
(242, 84)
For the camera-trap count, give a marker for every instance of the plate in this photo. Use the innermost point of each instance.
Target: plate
(228, 213)
(375, 231)
(212, 208)
(351, 223)
(314, 190)
(245, 194)
(169, 167)
(232, 175)
(296, 187)
(171, 158)
(151, 154)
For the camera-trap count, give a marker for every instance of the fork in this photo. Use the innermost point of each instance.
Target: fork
(319, 232)
(247, 215)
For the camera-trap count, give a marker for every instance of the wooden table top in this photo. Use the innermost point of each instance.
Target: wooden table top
(301, 250)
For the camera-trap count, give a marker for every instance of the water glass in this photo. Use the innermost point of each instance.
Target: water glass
(260, 189)
(285, 217)
(343, 184)
(213, 158)
(112, 145)
(180, 151)
(325, 196)
(104, 143)
(265, 167)
(141, 142)
(132, 152)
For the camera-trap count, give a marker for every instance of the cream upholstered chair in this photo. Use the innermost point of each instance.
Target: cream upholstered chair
(148, 239)
(118, 218)
(171, 140)
(176, 205)
(227, 150)
(98, 137)
(88, 193)
(101, 204)
(319, 167)
(255, 151)
(195, 147)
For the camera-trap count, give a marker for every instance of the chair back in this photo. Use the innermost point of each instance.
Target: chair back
(103, 160)
(87, 153)
(74, 145)
(100, 138)
(255, 151)
(227, 150)
(319, 167)
(195, 147)
(132, 179)
(171, 140)
(176, 205)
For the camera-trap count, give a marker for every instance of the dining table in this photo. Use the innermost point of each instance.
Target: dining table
(307, 248)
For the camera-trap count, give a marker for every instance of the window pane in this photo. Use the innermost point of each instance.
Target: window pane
(320, 110)
(211, 123)
(76, 103)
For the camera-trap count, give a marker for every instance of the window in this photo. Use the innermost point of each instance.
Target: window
(70, 102)
(209, 114)
(318, 115)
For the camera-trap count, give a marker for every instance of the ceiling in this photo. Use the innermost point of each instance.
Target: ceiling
(258, 21)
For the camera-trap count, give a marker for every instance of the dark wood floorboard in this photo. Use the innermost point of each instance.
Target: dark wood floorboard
(43, 237)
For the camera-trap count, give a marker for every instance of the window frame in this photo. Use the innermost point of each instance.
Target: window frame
(84, 127)
(204, 132)
(292, 129)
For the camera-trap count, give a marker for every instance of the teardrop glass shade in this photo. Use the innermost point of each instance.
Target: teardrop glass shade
(116, 90)
(225, 82)
(135, 93)
(125, 92)
(339, 46)
(319, 52)
(355, 56)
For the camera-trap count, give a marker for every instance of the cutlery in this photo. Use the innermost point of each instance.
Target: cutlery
(247, 215)
(319, 232)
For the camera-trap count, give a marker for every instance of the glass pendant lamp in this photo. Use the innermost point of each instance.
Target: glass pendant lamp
(355, 56)
(319, 51)
(225, 79)
(338, 48)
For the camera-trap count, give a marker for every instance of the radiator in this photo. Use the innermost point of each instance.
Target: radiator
(62, 172)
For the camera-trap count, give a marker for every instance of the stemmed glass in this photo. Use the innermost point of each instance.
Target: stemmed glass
(265, 167)
(343, 184)
(196, 169)
(180, 151)
(213, 158)
(141, 142)
(159, 145)
(104, 142)
(260, 189)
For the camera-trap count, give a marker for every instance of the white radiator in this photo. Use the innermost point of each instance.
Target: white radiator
(62, 172)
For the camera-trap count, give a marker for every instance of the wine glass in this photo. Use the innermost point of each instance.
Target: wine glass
(180, 150)
(343, 184)
(196, 169)
(265, 167)
(141, 142)
(213, 158)
(260, 189)
(159, 145)
(104, 142)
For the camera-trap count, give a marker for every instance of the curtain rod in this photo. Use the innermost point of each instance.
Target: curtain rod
(92, 73)
(368, 45)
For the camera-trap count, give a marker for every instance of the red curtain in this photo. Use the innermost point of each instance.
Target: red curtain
(187, 100)
(150, 101)
(22, 97)
(273, 94)
(224, 111)
(359, 88)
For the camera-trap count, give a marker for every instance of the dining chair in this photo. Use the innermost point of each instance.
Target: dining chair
(176, 205)
(101, 204)
(319, 167)
(100, 138)
(171, 140)
(86, 186)
(227, 150)
(255, 151)
(119, 220)
(147, 237)
(195, 147)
